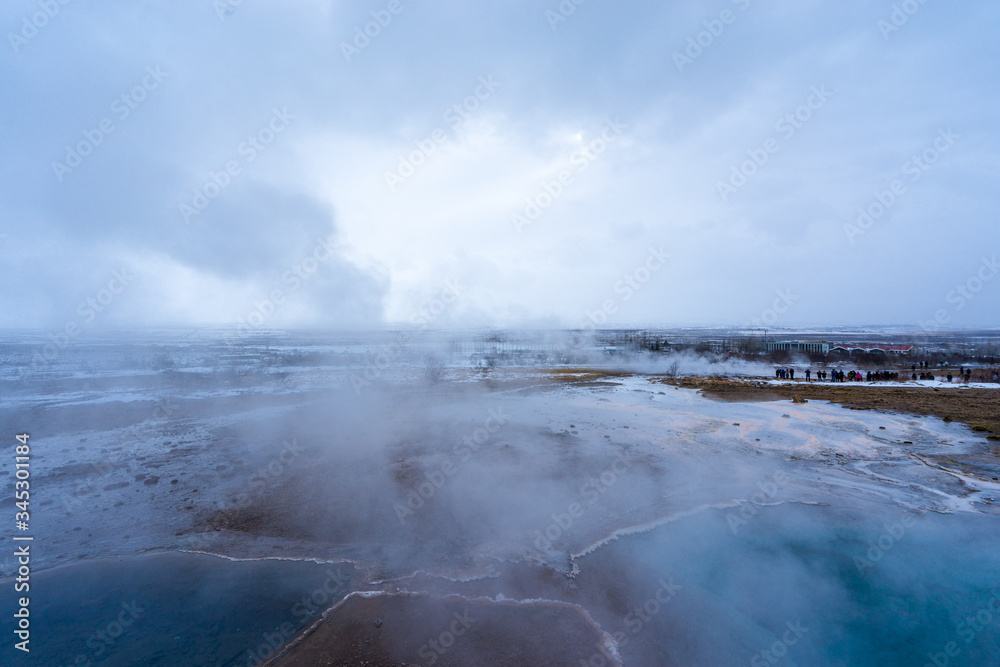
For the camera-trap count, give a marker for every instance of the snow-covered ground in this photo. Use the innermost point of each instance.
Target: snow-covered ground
(936, 384)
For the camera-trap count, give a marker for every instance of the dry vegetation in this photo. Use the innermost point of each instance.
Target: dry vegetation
(575, 375)
(979, 408)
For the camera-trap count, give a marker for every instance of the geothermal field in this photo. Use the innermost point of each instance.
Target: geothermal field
(526, 333)
(300, 502)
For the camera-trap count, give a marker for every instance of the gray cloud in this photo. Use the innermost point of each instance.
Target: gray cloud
(324, 173)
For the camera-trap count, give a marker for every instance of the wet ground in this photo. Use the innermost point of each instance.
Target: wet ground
(594, 516)
(977, 404)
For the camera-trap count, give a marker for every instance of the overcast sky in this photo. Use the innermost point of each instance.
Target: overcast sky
(499, 163)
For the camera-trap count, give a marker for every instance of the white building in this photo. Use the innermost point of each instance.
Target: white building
(808, 346)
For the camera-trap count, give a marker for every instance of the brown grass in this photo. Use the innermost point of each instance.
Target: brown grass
(574, 375)
(978, 408)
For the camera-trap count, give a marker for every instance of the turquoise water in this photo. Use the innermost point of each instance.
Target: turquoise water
(863, 588)
(169, 609)
(866, 588)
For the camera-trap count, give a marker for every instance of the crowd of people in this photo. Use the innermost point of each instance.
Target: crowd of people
(964, 375)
